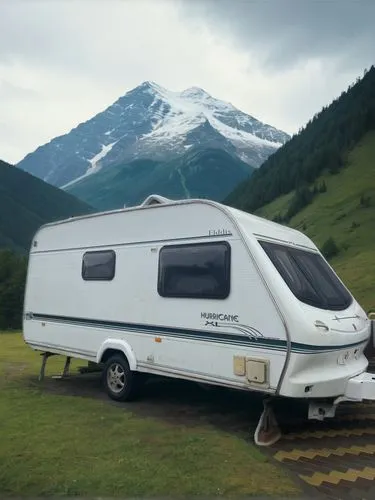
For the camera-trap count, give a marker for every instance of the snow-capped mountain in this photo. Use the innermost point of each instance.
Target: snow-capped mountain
(208, 173)
(151, 122)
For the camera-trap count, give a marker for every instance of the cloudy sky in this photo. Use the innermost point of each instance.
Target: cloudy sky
(62, 61)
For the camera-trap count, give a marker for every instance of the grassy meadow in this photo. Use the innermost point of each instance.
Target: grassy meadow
(54, 444)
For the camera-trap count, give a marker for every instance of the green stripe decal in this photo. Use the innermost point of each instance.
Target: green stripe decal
(202, 335)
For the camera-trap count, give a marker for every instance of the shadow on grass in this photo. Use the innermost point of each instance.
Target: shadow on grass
(183, 402)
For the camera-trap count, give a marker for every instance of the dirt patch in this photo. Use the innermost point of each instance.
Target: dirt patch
(176, 401)
(13, 370)
(181, 402)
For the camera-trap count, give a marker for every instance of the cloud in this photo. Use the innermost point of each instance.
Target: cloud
(9, 91)
(80, 56)
(63, 61)
(118, 41)
(285, 33)
(301, 54)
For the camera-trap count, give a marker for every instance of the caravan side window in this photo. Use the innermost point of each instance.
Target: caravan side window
(200, 271)
(99, 265)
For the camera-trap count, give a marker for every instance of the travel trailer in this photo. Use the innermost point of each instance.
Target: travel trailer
(200, 291)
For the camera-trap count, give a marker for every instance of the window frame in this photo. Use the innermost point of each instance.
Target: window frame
(326, 271)
(109, 278)
(227, 271)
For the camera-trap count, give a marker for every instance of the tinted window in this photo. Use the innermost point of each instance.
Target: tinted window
(199, 271)
(308, 276)
(99, 265)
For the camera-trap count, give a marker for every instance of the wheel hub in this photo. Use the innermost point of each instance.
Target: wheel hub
(116, 378)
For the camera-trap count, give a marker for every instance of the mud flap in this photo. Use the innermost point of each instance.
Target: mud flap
(267, 431)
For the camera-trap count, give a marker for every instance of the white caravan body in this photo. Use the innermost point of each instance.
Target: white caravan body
(197, 290)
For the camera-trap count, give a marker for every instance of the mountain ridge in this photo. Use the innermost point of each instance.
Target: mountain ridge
(155, 123)
(26, 203)
(322, 144)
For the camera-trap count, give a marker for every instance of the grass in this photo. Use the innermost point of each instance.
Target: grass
(338, 213)
(63, 445)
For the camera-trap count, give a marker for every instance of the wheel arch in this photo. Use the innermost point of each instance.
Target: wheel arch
(117, 346)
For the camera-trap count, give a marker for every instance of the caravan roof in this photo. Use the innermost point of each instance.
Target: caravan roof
(249, 224)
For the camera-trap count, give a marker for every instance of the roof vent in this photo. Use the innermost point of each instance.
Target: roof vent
(155, 199)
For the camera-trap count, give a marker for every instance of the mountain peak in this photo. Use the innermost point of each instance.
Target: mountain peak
(149, 85)
(195, 92)
(150, 121)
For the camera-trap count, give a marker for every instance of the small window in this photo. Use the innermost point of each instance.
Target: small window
(308, 276)
(99, 265)
(200, 271)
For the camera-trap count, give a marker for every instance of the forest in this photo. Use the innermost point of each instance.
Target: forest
(320, 146)
(13, 268)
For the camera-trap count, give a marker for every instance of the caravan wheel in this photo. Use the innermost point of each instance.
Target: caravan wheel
(118, 380)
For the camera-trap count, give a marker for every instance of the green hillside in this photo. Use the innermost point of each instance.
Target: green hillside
(26, 203)
(210, 173)
(321, 145)
(346, 213)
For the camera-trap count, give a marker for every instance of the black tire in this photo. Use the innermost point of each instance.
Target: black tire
(119, 382)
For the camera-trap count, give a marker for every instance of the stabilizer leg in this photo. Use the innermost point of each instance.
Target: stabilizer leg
(267, 431)
(45, 355)
(65, 370)
(66, 366)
